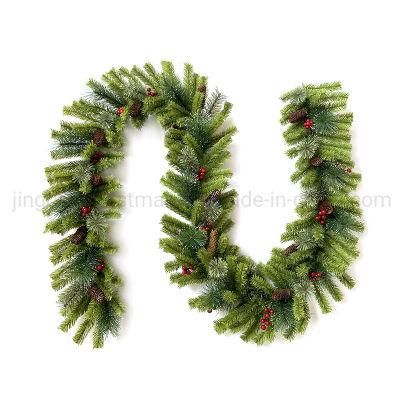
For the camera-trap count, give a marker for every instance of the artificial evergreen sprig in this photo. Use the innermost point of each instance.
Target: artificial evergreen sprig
(258, 300)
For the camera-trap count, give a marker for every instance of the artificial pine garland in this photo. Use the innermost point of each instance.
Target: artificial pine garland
(259, 300)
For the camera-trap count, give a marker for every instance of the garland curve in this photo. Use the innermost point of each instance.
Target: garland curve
(259, 300)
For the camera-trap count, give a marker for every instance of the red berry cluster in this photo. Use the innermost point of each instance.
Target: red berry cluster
(321, 217)
(206, 227)
(120, 111)
(151, 92)
(96, 157)
(100, 266)
(187, 269)
(201, 173)
(314, 276)
(308, 123)
(85, 211)
(265, 321)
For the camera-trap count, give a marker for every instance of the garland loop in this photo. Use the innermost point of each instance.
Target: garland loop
(258, 300)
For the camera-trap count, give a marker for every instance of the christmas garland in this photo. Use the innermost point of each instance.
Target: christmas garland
(259, 300)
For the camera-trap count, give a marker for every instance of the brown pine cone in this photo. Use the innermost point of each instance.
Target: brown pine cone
(79, 236)
(136, 108)
(316, 161)
(99, 137)
(213, 242)
(96, 294)
(297, 116)
(325, 205)
(96, 180)
(290, 249)
(202, 88)
(213, 196)
(96, 157)
(282, 295)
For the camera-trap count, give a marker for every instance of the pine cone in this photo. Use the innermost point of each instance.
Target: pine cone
(282, 295)
(96, 180)
(96, 294)
(213, 242)
(136, 108)
(291, 249)
(316, 161)
(96, 157)
(213, 196)
(79, 236)
(325, 205)
(297, 116)
(202, 88)
(99, 137)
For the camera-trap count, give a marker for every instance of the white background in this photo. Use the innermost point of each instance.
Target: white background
(253, 51)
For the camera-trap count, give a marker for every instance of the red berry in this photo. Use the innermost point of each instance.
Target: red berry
(263, 327)
(99, 267)
(85, 211)
(186, 270)
(268, 323)
(268, 312)
(201, 173)
(308, 123)
(323, 212)
(318, 217)
(263, 320)
(151, 92)
(206, 227)
(120, 110)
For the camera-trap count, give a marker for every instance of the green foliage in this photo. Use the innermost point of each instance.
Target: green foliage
(197, 137)
(217, 268)
(192, 238)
